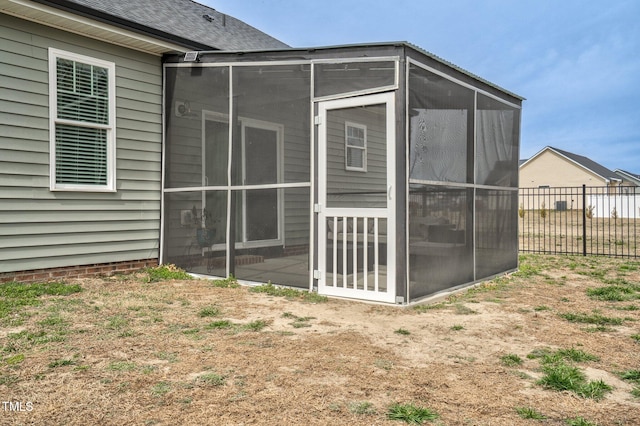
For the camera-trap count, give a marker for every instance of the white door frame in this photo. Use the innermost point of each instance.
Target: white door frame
(344, 289)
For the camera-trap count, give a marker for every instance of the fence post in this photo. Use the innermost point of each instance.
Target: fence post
(584, 219)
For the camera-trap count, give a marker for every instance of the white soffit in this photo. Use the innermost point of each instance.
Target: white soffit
(67, 21)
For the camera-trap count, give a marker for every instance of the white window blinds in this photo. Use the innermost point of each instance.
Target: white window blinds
(82, 104)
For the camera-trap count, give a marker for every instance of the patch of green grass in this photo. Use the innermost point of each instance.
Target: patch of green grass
(541, 308)
(630, 375)
(168, 356)
(229, 282)
(289, 293)
(627, 308)
(562, 377)
(635, 337)
(211, 379)
(53, 321)
(579, 421)
(256, 325)
(402, 331)
(61, 363)
(635, 392)
(593, 318)
(594, 389)
(39, 337)
(548, 356)
(14, 290)
(221, 324)
(457, 327)
(429, 307)
(14, 296)
(121, 366)
(530, 413)
(161, 388)
(511, 360)
(613, 293)
(209, 311)
(15, 359)
(165, 273)
(598, 329)
(461, 309)
(8, 379)
(362, 408)
(298, 322)
(410, 413)
(117, 322)
(148, 369)
(576, 355)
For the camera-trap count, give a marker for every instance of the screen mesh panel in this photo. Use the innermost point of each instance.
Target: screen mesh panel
(440, 129)
(347, 77)
(285, 262)
(497, 141)
(197, 132)
(195, 231)
(440, 238)
(496, 232)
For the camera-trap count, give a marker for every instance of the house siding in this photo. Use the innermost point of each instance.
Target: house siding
(551, 169)
(44, 229)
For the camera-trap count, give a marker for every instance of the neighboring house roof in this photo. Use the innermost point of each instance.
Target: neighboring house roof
(155, 26)
(581, 161)
(628, 176)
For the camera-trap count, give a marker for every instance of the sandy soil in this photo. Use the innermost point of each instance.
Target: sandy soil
(141, 353)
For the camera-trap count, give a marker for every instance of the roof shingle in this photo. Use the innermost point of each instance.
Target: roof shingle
(185, 19)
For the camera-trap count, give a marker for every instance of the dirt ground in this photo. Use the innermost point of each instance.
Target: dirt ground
(189, 353)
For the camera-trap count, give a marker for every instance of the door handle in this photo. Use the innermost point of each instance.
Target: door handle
(389, 192)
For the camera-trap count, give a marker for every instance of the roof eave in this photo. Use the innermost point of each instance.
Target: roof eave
(82, 20)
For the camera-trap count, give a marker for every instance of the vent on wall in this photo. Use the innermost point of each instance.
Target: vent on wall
(183, 109)
(191, 57)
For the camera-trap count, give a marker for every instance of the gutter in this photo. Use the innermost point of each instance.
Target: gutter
(106, 18)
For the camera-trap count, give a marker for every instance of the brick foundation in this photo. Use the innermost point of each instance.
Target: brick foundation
(81, 271)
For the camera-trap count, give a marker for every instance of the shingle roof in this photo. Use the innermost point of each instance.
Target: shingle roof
(582, 161)
(183, 19)
(625, 175)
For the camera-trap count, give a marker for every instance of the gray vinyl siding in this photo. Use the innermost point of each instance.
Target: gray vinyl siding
(40, 228)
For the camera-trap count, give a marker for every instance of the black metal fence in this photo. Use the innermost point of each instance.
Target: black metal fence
(582, 220)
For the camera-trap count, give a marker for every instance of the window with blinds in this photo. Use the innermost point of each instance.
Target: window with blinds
(82, 105)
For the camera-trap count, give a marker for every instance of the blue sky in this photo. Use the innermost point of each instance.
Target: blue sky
(576, 62)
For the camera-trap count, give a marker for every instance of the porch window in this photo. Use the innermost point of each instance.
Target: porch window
(82, 122)
(355, 147)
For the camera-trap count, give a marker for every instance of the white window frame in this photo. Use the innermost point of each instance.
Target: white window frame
(110, 186)
(348, 147)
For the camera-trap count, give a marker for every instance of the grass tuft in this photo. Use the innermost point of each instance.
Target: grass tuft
(211, 379)
(256, 325)
(166, 272)
(511, 360)
(530, 413)
(289, 293)
(593, 318)
(221, 324)
(410, 413)
(562, 377)
(579, 421)
(229, 282)
(209, 311)
(402, 331)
